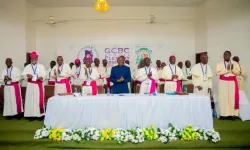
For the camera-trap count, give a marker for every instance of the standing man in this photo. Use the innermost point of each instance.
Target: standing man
(100, 81)
(148, 77)
(180, 65)
(51, 81)
(61, 73)
(12, 93)
(131, 71)
(89, 75)
(120, 76)
(34, 73)
(187, 77)
(127, 62)
(173, 75)
(161, 81)
(76, 71)
(106, 74)
(71, 65)
(202, 77)
(163, 64)
(242, 74)
(228, 87)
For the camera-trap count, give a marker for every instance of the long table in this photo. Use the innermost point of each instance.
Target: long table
(128, 111)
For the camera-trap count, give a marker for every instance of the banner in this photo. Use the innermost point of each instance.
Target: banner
(143, 52)
(113, 52)
(132, 52)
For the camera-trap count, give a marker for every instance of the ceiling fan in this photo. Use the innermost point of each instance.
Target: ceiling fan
(152, 20)
(51, 21)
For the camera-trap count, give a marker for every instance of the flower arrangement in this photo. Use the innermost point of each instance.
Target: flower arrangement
(133, 135)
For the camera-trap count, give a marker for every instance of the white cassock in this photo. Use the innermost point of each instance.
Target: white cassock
(106, 71)
(76, 75)
(89, 81)
(148, 85)
(49, 79)
(34, 99)
(160, 81)
(172, 85)
(202, 76)
(101, 80)
(62, 84)
(186, 73)
(12, 93)
(23, 82)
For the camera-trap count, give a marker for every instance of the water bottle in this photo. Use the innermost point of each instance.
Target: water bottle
(108, 91)
(75, 90)
(214, 114)
(185, 89)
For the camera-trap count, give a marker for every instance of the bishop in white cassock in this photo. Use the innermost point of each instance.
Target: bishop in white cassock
(173, 76)
(61, 73)
(34, 73)
(161, 81)
(187, 77)
(89, 75)
(148, 77)
(241, 77)
(228, 96)
(202, 77)
(106, 73)
(101, 81)
(50, 81)
(12, 94)
(76, 71)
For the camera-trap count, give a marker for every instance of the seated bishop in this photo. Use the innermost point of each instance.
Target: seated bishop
(148, 77)
(89, 75)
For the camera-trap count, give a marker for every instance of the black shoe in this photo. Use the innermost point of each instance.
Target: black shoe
(41, 118)
(9, 117)
(222, 118)
(32, 119)
(19, 116)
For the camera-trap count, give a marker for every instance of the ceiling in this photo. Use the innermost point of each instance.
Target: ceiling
(131, 3)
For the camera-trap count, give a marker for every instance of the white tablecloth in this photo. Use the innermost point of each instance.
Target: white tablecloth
(128, 111)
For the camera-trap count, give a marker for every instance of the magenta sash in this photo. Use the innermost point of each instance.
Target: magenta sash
(93, 86)
(178, 85)
(41, 94)
(108, 81)
(162, 80)
(236, 93)
(51, 82)
(66, 82)
(153, 86)
(138, 82)
(18, 96)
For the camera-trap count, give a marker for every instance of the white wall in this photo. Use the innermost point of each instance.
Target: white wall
(178, 35)
(12, 27)
(227, 28)
(201, 29)
(30, 28)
